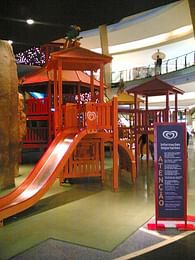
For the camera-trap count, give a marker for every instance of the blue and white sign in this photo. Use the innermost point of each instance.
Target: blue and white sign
(170, 171)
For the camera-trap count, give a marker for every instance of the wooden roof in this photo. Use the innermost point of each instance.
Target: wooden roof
(155, 87)
(78, 58)
(43, 76)
(126, 99)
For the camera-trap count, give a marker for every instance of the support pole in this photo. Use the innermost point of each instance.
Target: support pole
(167, 108)
(102, 155)
(101, 95)
(115, 144)
(60, 93)
(176, 107)
(105, 51)
(135, 131)
(56, 125)
(147, 131)
(49, 112)
(92, 86)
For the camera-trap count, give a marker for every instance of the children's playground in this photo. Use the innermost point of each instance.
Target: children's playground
(73, 124)
(90, 193)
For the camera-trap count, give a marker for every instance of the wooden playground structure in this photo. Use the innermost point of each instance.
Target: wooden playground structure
(74, 123)
(142, 119)
(75, 101)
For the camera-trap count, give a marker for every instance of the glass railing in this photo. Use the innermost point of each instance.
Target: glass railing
(170, 65)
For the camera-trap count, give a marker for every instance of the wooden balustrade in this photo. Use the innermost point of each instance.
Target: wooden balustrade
(37, 106)
(72, 116)
(84, 162)
(93, 116)
(104, 115)
(36, 135)
(146, 118)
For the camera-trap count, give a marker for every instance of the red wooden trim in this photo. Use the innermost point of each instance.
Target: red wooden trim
(37, 118)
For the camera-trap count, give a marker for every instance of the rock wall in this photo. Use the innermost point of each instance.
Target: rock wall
(8, 117)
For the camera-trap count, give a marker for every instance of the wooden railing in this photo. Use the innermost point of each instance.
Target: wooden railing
(104, 115)
(127, 135)
(72, 116)
(146, 118)
(93, 116)
(36, 135)
(37, 106)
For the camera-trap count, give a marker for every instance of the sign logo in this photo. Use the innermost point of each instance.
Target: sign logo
(91, 115)
(170, 134)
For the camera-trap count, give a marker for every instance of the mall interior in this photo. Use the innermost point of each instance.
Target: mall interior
(85, 219)
(133, 41)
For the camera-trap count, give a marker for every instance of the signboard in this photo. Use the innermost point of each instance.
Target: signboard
(170, 171)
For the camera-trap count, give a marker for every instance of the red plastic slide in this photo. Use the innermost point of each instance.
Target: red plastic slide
(42, 176)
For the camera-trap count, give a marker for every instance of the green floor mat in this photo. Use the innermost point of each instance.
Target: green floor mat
(101, 221)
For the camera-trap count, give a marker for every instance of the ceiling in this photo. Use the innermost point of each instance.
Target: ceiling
(53, 18)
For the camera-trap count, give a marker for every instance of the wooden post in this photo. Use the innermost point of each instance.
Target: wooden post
(115, 144)
(101, 96)
(49, 112)
(56, 125)
(176, 107)
(102, 160)
(167, 108)
(135, 131)
(79, 93)
(92, 86)
(147, 133)
(60, 93)
(80, 123)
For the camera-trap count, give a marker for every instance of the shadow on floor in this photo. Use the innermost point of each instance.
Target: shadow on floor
(73, 193)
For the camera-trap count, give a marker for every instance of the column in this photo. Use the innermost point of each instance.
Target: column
(192, 11)
(105, 51)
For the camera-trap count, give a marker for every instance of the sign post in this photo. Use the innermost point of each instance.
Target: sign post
(170, 175)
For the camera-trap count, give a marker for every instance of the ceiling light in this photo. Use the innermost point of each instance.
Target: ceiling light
(30, 21)
(183, 30)
(10, 42)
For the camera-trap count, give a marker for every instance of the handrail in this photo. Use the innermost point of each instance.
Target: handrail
(169, 65)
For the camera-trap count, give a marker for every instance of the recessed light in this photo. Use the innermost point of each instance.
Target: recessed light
(30, 21)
